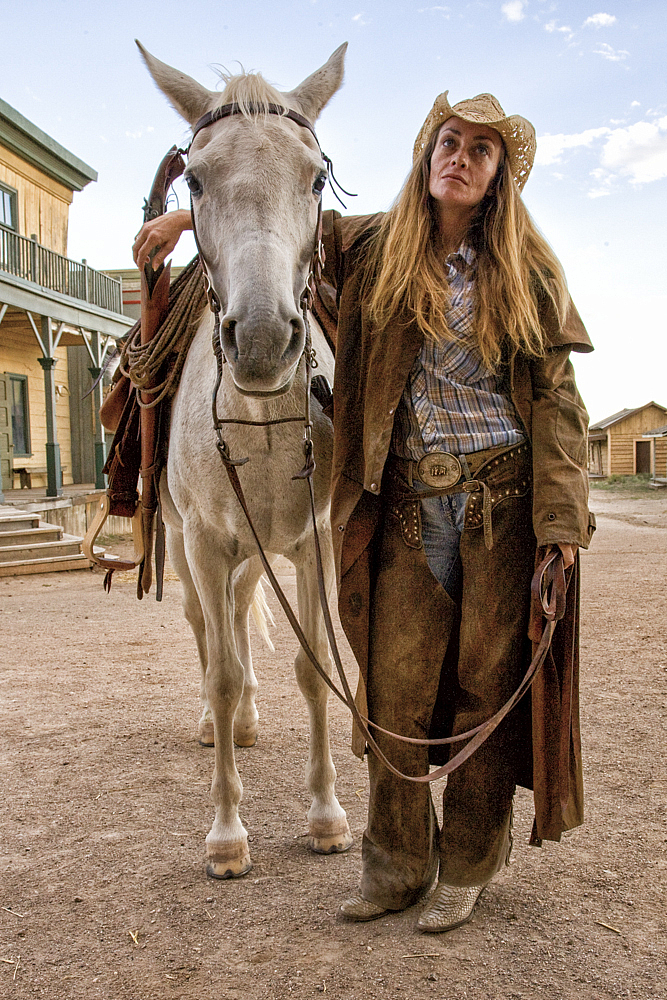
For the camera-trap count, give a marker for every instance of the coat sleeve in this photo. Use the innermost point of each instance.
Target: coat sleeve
(559, 427)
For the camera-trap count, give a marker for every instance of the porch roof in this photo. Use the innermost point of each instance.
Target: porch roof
(29, 297)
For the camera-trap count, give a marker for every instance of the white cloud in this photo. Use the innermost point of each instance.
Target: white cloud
(605, 184)
(600, 21)
(565, 29)
(513, 10)
(635, 104)
(359, 18)
(637, 153)
(436, 10)
(550, 148)
(616, 55)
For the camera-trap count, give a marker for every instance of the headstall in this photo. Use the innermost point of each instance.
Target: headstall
(305, 301)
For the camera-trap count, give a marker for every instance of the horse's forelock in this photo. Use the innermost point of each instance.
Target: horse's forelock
(248, 89)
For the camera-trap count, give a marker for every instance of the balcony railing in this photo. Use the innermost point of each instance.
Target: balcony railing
(27, 259)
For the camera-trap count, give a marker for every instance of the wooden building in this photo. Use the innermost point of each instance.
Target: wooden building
(618, 446)
(57, 317)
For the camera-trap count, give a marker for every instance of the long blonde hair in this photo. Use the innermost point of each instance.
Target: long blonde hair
(406, 274)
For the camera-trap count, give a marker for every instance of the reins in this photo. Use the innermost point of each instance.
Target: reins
(548, 586)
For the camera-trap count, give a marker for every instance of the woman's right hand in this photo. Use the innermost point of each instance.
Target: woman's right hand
(160, 234)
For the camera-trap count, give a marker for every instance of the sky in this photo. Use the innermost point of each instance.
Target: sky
(589, 75)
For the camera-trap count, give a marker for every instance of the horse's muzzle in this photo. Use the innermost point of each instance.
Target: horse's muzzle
(263, 357)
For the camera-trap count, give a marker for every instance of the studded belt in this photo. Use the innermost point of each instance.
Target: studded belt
(489, 476)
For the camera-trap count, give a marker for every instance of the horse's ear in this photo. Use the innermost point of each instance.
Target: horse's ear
(188, 97)
(317, 89)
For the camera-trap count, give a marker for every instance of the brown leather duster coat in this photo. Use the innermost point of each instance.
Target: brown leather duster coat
(371, 372)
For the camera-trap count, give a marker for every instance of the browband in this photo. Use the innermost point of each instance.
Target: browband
(256, 109)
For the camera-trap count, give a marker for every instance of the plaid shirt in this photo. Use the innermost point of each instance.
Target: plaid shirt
(451, 401)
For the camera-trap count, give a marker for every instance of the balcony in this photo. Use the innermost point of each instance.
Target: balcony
(28, 260)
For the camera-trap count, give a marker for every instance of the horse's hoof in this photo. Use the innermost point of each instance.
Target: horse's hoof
(326, 840)
(245, 737)
(330, 845)
(214, 870)
(206, 734)
(228, 860)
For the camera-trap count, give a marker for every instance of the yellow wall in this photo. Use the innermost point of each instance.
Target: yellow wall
(19, 352)
(43, 203)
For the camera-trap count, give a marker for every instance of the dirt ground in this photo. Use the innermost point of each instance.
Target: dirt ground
(105, 808)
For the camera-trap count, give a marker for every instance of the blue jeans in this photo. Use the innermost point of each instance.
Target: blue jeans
(442, 525)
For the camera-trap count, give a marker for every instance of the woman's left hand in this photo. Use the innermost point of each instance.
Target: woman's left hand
(569, 550)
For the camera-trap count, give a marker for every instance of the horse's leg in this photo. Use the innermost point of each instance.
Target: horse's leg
(328, 830)
(227, 841)
(195, 617)
(245, 584)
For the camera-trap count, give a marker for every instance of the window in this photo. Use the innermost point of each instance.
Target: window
(8, 207)
(18, 399)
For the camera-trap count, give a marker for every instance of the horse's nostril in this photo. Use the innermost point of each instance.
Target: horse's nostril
(296, 340)
(229, 336)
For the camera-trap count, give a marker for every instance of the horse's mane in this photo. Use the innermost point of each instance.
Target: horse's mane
(246, 89)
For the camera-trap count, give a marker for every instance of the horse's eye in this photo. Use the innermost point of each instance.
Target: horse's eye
(194, 185)
(320, 181)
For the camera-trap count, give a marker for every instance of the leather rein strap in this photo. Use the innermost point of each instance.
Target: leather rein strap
(548, 586)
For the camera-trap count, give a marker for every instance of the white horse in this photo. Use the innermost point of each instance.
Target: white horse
(255, 181)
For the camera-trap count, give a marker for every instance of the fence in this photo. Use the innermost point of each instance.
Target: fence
(27, 259)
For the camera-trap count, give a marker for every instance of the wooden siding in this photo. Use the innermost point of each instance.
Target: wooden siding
(661, 457)
(43, 203)
(19, 352)
(597, 458)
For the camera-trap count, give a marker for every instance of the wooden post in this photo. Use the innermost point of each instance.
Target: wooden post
(54, 477)
(98, 398)
(34, 276)
(5, 435)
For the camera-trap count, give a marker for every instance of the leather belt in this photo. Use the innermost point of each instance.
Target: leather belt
(442, 473)
(440, 470)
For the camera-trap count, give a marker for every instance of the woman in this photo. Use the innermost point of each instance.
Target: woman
(459, 453)
(453, 379)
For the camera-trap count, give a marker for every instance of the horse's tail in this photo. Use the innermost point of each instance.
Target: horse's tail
(261, 613)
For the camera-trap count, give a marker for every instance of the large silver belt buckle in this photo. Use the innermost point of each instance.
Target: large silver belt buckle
(439, 470)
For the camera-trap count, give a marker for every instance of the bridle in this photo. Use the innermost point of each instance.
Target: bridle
(549, 585)
(305, 299)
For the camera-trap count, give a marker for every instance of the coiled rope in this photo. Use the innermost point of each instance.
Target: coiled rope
(158, 364)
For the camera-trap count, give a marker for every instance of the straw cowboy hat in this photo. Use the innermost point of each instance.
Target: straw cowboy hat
(517, 133)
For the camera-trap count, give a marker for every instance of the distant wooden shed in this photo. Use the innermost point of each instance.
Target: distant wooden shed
(619, 446)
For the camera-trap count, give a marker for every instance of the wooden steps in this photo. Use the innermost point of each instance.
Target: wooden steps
(29, 545)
